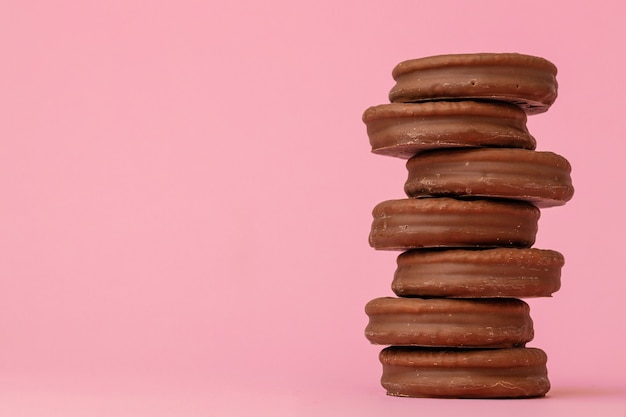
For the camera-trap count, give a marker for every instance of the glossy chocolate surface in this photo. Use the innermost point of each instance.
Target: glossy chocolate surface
(476, 323)
(403, 130)
(524, 80)
(464, 373)
(447, 222)
(542, 178)
(498, 272)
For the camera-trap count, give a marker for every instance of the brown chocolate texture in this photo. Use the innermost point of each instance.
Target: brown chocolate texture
(484, 323)
(458, 327)
(403, 130)
(497, 272)
(447, 222)
(464, 373)
(526, 81)
(542, 178)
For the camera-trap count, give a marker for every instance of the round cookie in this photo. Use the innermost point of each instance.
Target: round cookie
(541, 178)
(498, 272)
(446, 222)
(449, 322)
(464, 373)
(524, 80)
(403, 130)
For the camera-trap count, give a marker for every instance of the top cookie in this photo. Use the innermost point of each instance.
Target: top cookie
(524, 80)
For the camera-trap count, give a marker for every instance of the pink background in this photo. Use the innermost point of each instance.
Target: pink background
(186, 196)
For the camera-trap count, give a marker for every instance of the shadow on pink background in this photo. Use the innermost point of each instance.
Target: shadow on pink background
(186, 197)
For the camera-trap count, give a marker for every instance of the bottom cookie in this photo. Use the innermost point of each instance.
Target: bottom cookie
(464, 373)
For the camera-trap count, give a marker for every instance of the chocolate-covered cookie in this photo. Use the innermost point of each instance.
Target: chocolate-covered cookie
(464, 373)
(449, 322)
(446, 222)
(403, 130)
(498, 272)
(542, 178)
(524, 80)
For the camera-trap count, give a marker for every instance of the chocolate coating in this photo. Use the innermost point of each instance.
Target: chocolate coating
(447, 222)
(403, 130)
(464, 373)
(524, 80)
(542, 178)
(498, 272)
(449, 322)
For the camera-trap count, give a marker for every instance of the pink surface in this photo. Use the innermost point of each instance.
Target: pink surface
(186, 196)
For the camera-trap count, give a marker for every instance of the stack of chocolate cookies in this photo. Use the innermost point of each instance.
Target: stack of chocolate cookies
(458, 326)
